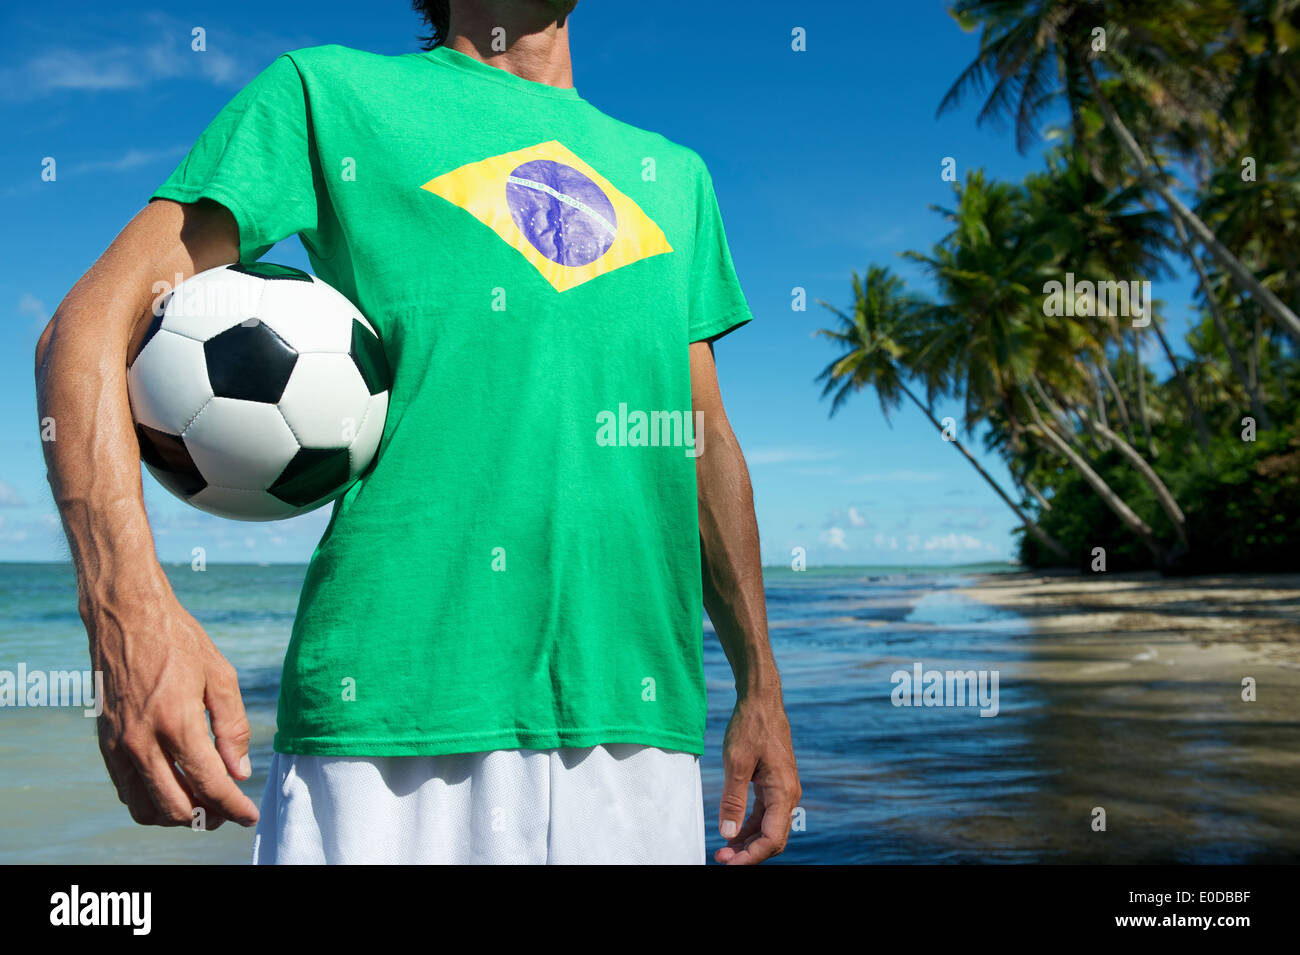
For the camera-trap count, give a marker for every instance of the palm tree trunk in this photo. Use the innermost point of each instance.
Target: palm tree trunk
(1278, 375)
(1101, 396)
(1120, 406)
(1112, 500)
(1069, 429)
(1030, 526)
(1202, 430)
(1286, 318)
(1253, 363)
(1043, 502)
(1140, 373)
(1239, 369)
(1166, 500)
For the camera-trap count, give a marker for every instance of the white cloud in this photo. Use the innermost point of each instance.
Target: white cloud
(962, 542)
(856, 519)
(92, 65)
(9, 496)
(131, 159)
(833, 537)
(66, 69)
(32, 307)
(787, 455)
(121, 67)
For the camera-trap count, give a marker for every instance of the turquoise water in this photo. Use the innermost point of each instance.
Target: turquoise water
(881, 783)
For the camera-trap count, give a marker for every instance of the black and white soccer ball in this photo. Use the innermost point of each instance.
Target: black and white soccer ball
(259, 392)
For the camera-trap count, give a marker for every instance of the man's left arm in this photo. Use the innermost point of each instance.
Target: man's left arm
(757, 745)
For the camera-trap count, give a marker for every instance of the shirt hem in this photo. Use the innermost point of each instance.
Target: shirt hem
(249, 240)
(722, 326)
(483, 742)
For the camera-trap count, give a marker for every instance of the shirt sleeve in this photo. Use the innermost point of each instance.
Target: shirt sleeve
(718, 304)
(257, 159)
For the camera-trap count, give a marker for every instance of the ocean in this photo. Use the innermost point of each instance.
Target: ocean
(1184, 778)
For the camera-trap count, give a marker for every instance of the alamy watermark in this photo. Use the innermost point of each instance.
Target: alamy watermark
(922, 687)
(650, 429)
(132, 910)
(24, 687)
(1087, 299)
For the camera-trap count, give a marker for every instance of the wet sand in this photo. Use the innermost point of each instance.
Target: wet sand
(1260, 613)
(1135, 692)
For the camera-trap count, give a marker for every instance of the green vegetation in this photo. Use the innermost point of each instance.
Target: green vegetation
(1179, 152)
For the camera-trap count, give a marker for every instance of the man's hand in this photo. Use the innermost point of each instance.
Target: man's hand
(162, 674)
(757, 748)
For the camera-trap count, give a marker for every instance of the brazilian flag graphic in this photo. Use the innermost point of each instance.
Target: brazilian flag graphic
(565, 218)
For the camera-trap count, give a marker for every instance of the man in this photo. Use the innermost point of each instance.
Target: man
(496, 656)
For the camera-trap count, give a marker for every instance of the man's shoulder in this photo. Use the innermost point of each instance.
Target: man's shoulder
(657, 146)
(335, 63)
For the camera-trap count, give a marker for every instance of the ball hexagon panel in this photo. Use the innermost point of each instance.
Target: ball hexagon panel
(325, 401)
(368, 353)
(250, 362)
(242, 505)
(207, 304)
(311, 475)
(226, 424)
(168, 382)
(371, 430)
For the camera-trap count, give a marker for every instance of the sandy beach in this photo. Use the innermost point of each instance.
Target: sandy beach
(1186, 620)
(1138, 681)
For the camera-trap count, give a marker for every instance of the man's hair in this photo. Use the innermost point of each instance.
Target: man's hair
(436, 13)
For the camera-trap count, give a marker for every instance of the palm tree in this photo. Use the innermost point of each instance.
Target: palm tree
(1103, 232)
(1038, 51)
(1112, 500)
(1262, 106)
(1105, 163)
(1054, 397)
(1212, 302)
(873, 342)
(989, 337)
(1100, 232)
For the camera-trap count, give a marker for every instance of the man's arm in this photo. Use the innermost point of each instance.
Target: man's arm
(757, 746)
(162, 674)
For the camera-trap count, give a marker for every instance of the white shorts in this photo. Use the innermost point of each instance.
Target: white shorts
(612, 804)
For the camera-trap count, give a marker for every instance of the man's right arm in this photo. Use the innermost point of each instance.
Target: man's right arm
(163, 676)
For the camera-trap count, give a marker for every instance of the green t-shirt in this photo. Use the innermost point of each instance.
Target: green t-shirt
(521, 567)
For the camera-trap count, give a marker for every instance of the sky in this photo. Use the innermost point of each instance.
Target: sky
(824, 160)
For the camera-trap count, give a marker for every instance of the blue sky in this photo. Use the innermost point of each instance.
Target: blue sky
(824, 161)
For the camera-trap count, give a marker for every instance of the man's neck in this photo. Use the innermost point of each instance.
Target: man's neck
(536, 42)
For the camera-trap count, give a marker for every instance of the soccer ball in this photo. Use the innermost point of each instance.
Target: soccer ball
(258, 391)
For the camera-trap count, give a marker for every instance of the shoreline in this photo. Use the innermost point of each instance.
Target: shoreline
(1250, 614)
(1142, 630)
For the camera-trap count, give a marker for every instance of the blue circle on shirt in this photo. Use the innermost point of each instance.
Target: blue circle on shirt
(562, 213)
